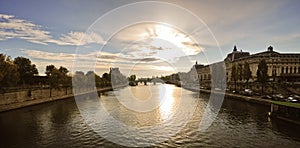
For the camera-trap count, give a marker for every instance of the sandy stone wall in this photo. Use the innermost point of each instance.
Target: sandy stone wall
(32, 94)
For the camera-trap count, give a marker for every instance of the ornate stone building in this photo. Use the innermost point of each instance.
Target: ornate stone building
(282, 67)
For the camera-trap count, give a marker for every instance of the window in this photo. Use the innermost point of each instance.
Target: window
(286, 70)
(295, 70)
(282, 69)
(291, 69)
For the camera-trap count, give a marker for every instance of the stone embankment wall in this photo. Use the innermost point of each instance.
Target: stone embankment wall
(28, 97)
(32, 94)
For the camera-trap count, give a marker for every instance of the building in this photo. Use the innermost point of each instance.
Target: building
(282, 67)
(117, 78)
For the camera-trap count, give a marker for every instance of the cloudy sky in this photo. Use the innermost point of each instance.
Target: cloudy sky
(144, 38)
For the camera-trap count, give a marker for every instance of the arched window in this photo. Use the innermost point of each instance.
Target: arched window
(286, 70)
(291, 69)
(282, 69)
(298, 69)
(295, 70)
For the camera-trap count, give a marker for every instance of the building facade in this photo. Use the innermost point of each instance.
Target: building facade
(282, 67)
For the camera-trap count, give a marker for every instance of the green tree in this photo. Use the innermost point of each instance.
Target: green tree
(234, 75)
(247, 73)
(57, 77)
(26, 69)
(262, 74)
(65, 79)
(9, 75)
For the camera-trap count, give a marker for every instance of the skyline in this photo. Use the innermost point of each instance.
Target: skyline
(50, 33)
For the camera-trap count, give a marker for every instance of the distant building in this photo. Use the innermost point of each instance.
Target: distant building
(117, 78)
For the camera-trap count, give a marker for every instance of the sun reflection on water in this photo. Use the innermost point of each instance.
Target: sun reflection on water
(168, 101)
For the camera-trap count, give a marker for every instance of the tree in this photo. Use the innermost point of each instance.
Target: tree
(49, 69)
(63, 70)
(107, 79)
(262, 74)
(65, 79)
(26, 69)
(234, 75)
(240, 72)
(247, 72)
(57, 77)
(9, 75)
(132, 78)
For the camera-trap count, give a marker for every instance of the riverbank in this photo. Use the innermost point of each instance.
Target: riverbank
(35, 101)
(285, 112)
(251, 99)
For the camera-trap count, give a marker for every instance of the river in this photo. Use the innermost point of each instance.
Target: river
(61, 124)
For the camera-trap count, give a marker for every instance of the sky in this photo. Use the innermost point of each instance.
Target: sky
(146, 38)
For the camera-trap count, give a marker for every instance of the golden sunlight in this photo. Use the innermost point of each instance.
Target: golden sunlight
(167, 101)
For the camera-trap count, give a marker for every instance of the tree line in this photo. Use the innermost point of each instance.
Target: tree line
(19, 71)
(22, 72)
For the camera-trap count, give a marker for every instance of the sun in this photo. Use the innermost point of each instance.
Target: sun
(171, 35)
(175, 39)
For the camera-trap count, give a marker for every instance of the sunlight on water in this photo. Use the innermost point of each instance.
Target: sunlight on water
(167, 100)
(60, 124)
(143, 95)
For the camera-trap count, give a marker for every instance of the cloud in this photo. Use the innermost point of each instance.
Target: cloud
(104, 61)
(12, 27)
(153, 40)
(101, 57)
(81, 38)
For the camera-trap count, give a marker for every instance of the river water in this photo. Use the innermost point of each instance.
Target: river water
(61, 124)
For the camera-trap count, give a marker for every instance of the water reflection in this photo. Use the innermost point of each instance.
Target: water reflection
(167, 99)
(59, 124)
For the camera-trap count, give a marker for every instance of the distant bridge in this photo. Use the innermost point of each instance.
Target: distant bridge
(150, 80)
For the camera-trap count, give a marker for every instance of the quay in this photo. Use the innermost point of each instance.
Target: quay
(35, 101)
(286, 111)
